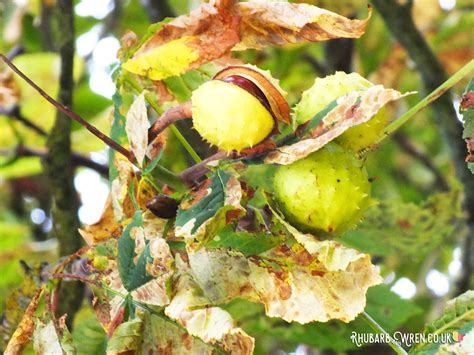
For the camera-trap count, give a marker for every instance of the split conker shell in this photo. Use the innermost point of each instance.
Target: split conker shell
(325, 193)
(229, 117)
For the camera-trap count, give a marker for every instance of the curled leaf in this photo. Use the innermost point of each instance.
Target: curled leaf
(185, 43)
(348, 111)
(279, 23)
(136, 126)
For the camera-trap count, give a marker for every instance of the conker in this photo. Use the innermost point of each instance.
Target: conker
(238, 109)
(324, 193)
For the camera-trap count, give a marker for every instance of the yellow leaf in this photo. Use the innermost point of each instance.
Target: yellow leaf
(211, 324)
(172, 58)
(294, 285)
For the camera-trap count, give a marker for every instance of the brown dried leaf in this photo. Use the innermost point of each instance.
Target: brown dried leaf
(207, 33)
(9, 89)
(46, 339)
(121, 202)
(22, 335)
(215, 28)
(267, 23)
(351, 110)
(105, 228)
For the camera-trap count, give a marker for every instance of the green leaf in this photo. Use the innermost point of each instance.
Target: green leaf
(89, 337)
(467, 111)
(149, 168)
(247, 243)
(183, 86)
(117, 133)
(207, 215)
(407, 229)
(208, 206)
(457, 319)
(127, 337)
(132, 275)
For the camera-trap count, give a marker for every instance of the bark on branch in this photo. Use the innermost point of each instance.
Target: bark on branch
(58, 163)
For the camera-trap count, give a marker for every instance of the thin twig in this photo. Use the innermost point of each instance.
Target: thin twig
(406, 145)
(84, 279)
(193, 173)
(64, 109)
(22, 151)
(378, 328)
(15, 51)
(15, 113)
(436, 93)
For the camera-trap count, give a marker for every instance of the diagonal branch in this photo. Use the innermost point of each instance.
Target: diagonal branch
(71, 114)
(406, 145)
(15, 113)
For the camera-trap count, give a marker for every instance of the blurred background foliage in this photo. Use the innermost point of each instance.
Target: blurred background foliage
(417, 232)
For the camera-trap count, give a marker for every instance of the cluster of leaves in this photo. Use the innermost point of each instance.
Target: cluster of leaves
(190, 282)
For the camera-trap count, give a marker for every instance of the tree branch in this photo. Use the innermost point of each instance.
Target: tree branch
(339, 53)
(157, 9)
(399, 21)
(15, 113)
(71, 114)
(58, 165)
(193, 173)
(408, 147)
(76, 159)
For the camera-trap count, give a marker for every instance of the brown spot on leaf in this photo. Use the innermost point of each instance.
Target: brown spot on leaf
(467, 101)
(318, 273)
(403, 223)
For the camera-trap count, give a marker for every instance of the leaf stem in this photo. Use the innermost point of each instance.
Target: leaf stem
(378, 328)
(74, 116)
(440, 90)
